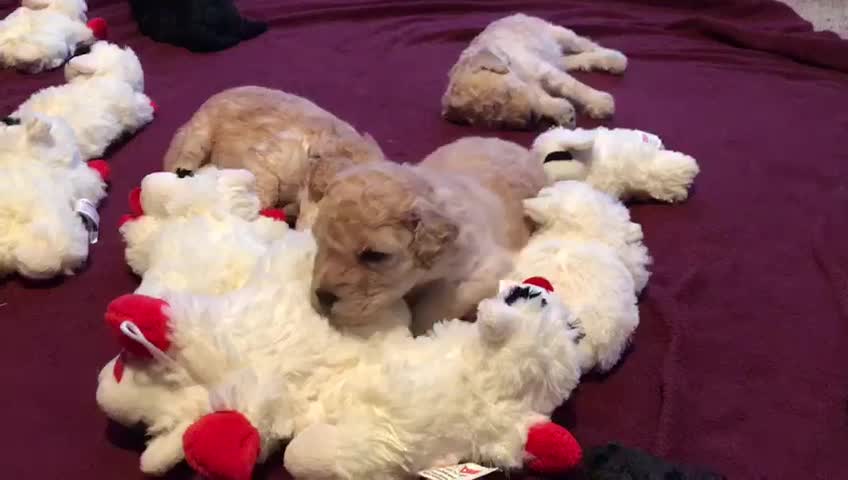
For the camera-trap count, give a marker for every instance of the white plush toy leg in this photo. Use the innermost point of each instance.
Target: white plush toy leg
(344, 452)
(669, 176)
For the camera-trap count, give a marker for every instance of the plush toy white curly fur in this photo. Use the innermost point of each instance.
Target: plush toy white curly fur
(43, 34)
(102, 100)
(593, 255)
(201, 234)
(225, 380)
(42, 182)
(627, 164)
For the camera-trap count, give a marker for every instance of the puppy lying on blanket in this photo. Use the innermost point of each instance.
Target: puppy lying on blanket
(269, 132)
(513, 74)
(439, 234)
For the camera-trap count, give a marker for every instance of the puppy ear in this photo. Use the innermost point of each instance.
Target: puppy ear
(432, 234)
(486, 60)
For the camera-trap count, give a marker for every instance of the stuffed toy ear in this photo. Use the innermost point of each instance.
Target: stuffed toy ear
(222, 445)
(552, 449)
(99, 28)
(38, 129)
(147, 319)
(536, 209)
(102, 168)
(35, 4)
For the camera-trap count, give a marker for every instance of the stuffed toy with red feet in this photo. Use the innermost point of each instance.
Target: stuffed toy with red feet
(43, 34)
(208, 221)
(48, 198)
(237, 375)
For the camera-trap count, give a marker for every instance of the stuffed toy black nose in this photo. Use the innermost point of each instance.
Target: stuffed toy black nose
(182, 173)
(11, 121)
(559, 156)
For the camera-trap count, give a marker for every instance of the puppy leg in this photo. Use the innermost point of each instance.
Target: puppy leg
(596, 103)
(589, 55)
(607, 60)
(558, 110)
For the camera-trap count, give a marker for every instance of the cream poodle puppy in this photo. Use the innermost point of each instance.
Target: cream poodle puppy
(439, 234)
(513, 75)
(269, 132)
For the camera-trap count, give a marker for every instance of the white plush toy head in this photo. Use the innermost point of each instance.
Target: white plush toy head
(531, 325)
(36, 137)
(149, 383)
(566, 154)
(107, 60)
(75, 9)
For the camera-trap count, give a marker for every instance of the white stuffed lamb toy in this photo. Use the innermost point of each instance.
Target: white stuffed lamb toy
(593, 255)
(102, 101)
(627, 164)
(47, 194)
(224, 381)
(42, 34)
(201, 234)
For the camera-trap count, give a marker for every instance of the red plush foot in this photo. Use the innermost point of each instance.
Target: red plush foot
(135, 202)
(99, 28)
(274, 213)
(552, 449)
(125, 218)
(101, 167)
(148, 314)
(155, 107)
(222, 446)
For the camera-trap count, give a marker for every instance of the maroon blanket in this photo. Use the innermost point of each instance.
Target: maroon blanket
(738, 362)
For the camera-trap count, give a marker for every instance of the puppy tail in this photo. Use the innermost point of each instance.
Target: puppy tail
(191, 146)
(252, 28)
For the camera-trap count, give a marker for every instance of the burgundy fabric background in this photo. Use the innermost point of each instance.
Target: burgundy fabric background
(739, 360)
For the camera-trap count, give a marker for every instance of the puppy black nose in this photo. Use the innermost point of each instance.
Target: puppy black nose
(326, 299)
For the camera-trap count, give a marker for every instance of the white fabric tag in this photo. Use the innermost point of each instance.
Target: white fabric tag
(465, 471)
(90, 218)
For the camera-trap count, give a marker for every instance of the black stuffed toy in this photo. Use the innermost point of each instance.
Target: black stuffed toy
(198, 25)
(615, 462)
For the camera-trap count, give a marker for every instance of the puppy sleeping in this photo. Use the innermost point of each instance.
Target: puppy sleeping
(272, 133)
(440, 234)
(513, 75)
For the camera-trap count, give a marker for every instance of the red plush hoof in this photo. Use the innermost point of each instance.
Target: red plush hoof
(222, 446)
(155, 107)
(99, 28)
(148, 315)
(135, 202)
(274, 213)
(101, 167)
(552, 449)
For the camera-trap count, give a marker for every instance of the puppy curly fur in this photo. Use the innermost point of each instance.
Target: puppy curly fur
(513, 75)
(269, 132)
(439, 234)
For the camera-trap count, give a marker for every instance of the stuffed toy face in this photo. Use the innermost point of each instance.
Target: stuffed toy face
(150, 382)
(37, 137)
(209, 191)
(107, 60)
(71, 8)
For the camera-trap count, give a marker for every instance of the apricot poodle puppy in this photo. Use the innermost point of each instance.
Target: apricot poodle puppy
(439, 234)
(273, 134)
(514, 75)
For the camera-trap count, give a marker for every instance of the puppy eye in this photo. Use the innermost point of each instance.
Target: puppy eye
(372, 256)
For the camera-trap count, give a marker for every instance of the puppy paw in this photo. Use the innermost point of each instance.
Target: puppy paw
(561, 113)
(601, 106)
(613, 61)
